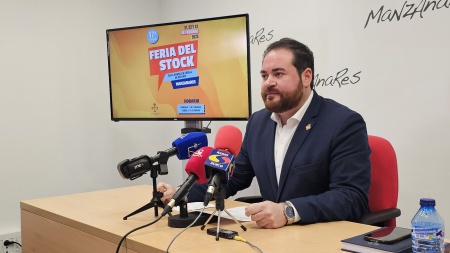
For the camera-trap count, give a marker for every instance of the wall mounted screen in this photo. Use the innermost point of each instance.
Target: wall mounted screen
(189, 70)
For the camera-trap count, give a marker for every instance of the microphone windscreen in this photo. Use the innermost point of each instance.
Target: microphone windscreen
(195, 164)
(229, 138)
(189, 143)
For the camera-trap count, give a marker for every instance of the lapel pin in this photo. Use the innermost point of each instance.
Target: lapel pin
(308, 127)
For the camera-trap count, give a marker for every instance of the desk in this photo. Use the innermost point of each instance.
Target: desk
(92, 222)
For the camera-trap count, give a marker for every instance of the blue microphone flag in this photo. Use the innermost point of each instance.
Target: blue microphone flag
(220, 162)
(188, 143)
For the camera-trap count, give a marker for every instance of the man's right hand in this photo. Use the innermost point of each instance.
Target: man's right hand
(167, 190)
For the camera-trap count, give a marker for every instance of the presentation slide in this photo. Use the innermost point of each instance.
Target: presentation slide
(183, 70)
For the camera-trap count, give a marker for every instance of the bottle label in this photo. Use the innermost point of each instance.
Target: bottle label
(428, 233)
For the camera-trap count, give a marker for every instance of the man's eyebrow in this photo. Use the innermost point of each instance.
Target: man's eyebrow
(273, 70)
(278, 69)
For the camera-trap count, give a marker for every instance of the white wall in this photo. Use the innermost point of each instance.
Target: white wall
(404, 81)
(55, 133)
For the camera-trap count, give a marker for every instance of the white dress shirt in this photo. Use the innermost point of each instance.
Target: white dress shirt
(283, 137)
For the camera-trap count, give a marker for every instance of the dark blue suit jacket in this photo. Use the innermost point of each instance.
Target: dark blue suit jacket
(326, 170)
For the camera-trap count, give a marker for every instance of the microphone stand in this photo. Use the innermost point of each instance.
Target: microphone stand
(219, 196)
(185, 218)
(160, 168)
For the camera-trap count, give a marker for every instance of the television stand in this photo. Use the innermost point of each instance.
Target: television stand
(194, 126)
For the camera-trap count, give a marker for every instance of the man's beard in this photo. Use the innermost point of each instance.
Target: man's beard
(288, 100)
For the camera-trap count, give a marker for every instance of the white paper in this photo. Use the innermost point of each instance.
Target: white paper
(237, 212)
(193, 206)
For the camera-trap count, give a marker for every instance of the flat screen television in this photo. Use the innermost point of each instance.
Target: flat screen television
(191, 70)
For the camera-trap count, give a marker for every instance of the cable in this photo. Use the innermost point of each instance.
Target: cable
(190, 225)
(241, 239)
(7, 243)
(141, 227)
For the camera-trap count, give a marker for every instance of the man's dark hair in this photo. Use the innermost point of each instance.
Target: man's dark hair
(303, 56)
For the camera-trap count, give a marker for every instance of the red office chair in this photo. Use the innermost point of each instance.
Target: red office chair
(383, 191)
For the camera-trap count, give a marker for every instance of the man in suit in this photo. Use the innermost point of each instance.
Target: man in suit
(309, 154)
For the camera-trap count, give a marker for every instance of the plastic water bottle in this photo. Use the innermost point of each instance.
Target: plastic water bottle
(427, 229)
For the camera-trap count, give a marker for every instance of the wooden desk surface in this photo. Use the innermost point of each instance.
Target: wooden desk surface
(321, 237)
(93, 221)
(99, 212)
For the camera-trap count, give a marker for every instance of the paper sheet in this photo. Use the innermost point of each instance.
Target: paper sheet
(237, 212)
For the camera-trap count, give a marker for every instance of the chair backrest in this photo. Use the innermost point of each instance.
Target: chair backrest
(383, 192)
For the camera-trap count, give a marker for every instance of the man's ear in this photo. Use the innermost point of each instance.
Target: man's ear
(306, 77)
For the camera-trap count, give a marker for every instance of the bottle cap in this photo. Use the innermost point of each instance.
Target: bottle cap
(427, 202)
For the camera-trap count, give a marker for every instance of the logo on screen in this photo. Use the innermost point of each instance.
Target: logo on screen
(175, 63)
(152, 36)
(154, 107)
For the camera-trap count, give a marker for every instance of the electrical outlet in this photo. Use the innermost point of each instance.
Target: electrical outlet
(13, 248)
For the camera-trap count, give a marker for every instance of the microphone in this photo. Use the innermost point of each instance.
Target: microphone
(220, 164)
(219, 168)
(184, 146)
(228, 138)
(196, 171)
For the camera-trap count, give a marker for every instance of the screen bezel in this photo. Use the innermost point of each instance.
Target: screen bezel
(249, 101)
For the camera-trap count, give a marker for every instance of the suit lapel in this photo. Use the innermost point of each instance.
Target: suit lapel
(269, 155)
(304, 128)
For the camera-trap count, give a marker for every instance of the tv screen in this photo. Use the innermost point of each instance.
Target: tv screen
(187, 70)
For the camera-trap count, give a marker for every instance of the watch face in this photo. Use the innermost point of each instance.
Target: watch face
(290, 212)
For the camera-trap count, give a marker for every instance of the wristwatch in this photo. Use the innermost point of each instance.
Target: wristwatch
(289, 212)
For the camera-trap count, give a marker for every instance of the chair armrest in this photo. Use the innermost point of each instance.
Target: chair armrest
(250, 199)
(380, 216)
